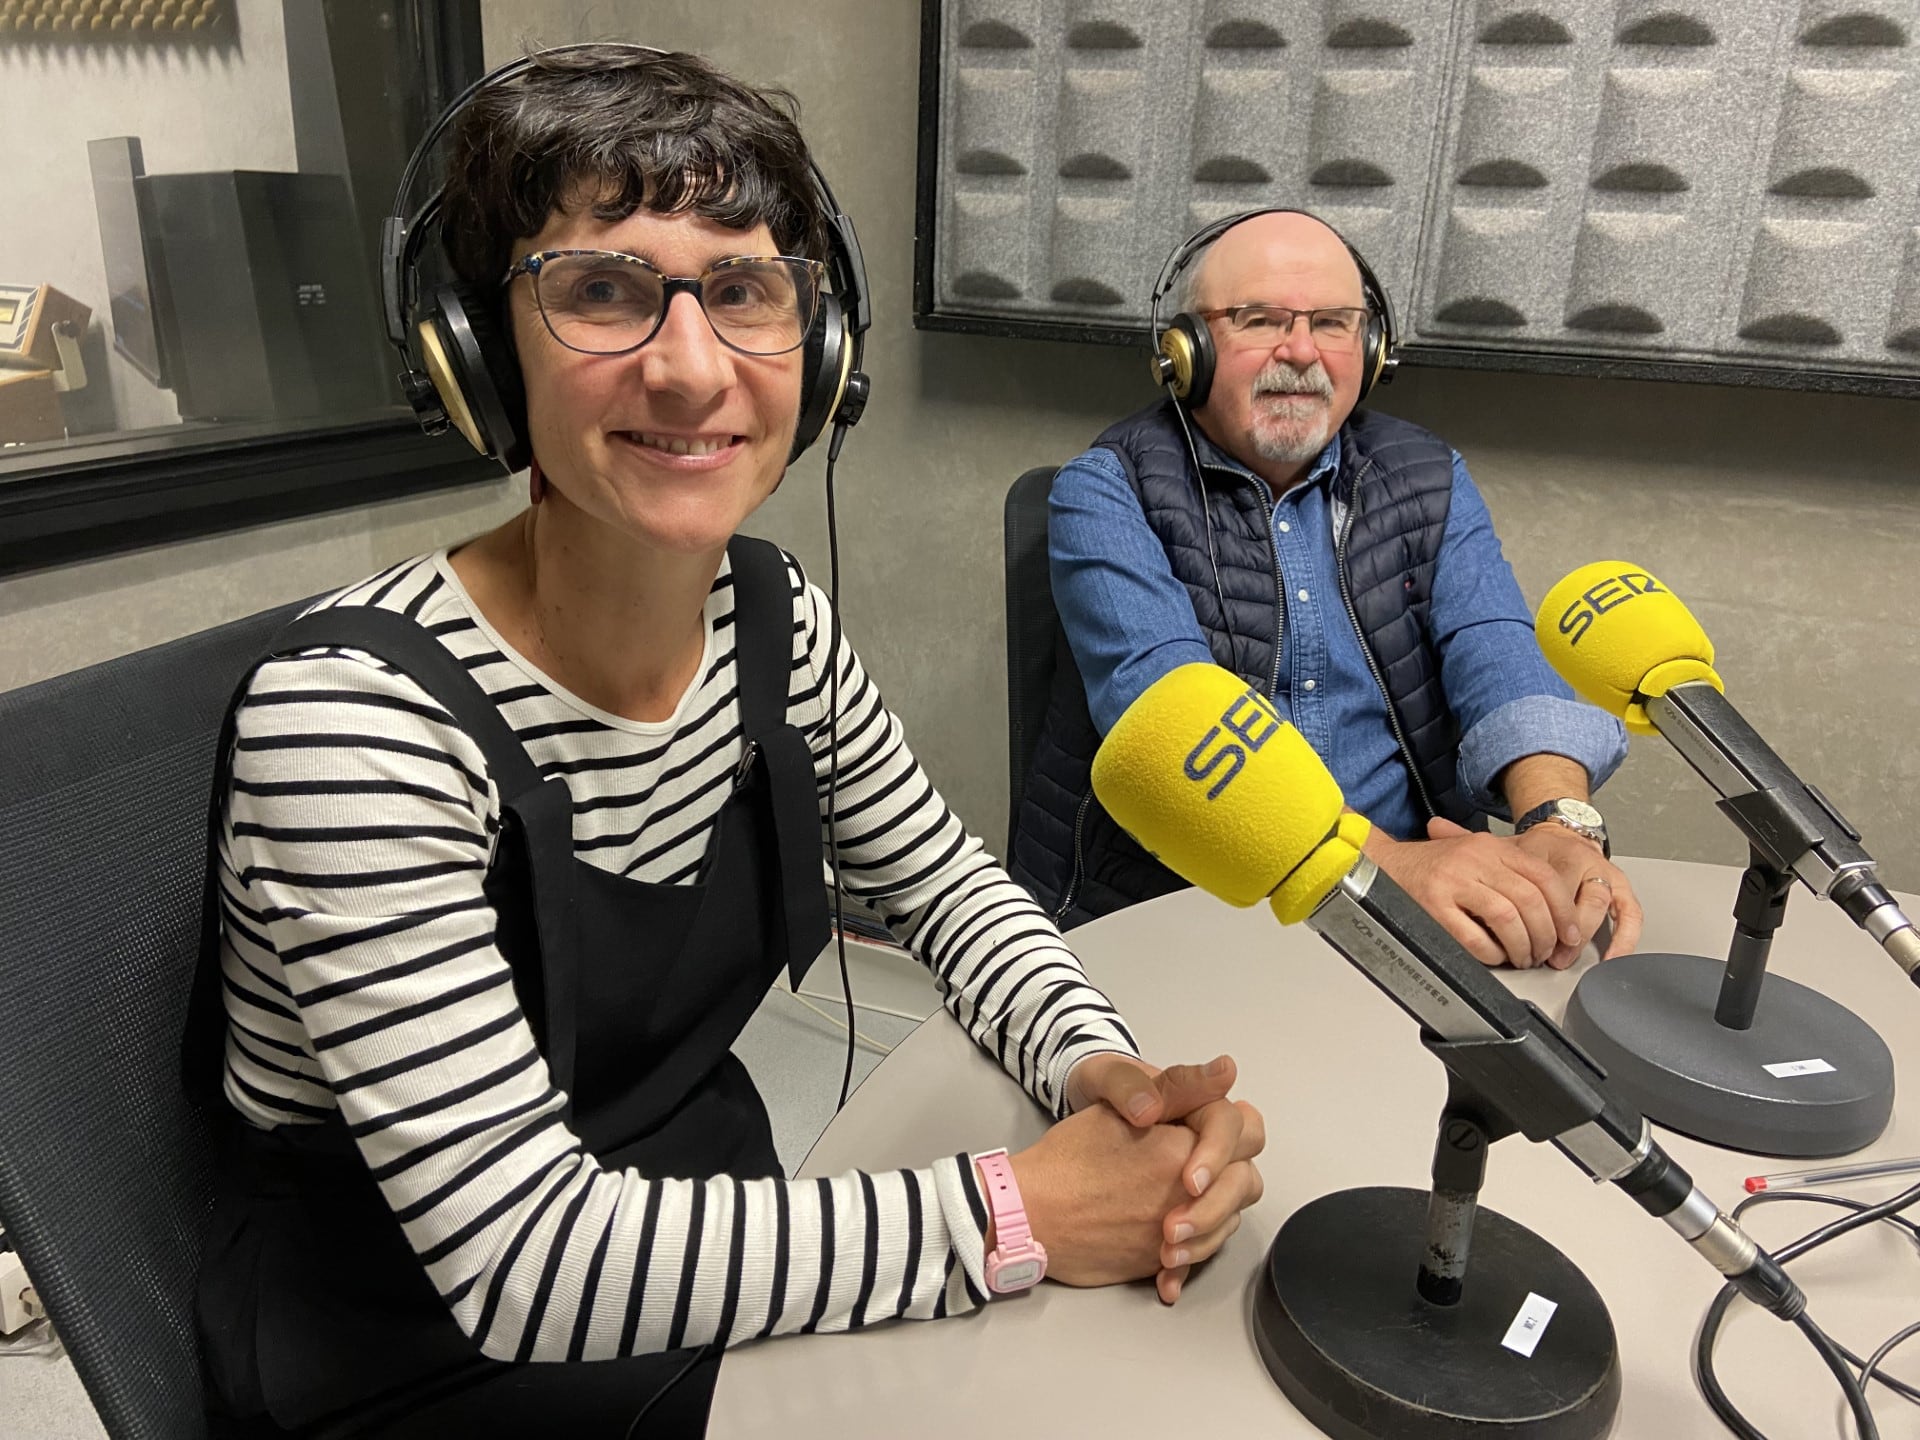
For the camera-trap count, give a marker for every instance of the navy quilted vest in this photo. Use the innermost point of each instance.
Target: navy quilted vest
(1396, 481)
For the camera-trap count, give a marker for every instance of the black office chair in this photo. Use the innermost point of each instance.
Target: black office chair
(1033, 630)
(105, 1169)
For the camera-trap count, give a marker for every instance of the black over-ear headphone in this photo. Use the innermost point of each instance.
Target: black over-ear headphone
(463, 370)
(1183, 355)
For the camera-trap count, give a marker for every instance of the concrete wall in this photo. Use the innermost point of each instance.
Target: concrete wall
(1781, 517)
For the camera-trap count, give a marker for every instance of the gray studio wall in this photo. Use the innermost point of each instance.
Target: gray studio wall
(1782, 517)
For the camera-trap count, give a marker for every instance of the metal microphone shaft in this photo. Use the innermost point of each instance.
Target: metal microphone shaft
(1519, 1061)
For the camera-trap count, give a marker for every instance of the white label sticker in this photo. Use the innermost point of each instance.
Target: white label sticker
(1530, 1324)
(1787, 1069)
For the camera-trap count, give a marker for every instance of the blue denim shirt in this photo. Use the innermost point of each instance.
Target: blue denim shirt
(1130, 622)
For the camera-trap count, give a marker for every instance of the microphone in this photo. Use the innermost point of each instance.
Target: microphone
(1204, 773)
(1624, 641)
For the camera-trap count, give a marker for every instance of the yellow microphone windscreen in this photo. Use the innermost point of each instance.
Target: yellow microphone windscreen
(1619, 637)
(1300, 893)
(1203, 773)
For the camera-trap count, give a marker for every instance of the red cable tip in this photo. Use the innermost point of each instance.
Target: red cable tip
(1756, 1183)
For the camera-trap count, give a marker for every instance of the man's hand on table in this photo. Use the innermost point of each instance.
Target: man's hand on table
(1519, 900)
(1600, 887)
(1148, 1176)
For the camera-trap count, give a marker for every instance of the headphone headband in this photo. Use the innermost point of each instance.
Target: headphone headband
(1184, 254)
(1183, 352)
(833, 356)
(402, 236)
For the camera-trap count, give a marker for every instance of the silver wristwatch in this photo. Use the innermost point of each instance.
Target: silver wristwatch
(1577, 815)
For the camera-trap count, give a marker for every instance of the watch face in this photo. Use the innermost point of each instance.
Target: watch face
(1580, 813)
(1015, 1275)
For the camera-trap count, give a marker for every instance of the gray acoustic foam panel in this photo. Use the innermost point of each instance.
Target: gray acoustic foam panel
(1727, 181)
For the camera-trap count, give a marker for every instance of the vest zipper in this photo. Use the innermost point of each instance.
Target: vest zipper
(1279, 593)
(1366, 649)
(1079, 858)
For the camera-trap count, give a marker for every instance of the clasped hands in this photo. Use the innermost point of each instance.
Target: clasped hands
(1147, 1176)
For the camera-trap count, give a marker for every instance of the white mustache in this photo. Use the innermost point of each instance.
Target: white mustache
(1279, 379)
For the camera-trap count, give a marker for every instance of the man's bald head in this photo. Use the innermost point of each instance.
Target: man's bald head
(1266, 245)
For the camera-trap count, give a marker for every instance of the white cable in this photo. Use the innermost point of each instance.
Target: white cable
(840, 1024)
(37, 1339)
(863, 1005)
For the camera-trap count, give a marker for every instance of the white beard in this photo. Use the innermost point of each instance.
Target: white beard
(1291, 431)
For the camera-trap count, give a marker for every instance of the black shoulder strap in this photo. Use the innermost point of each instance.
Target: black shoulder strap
(763, 632)
(763, 624)
(411, 649)
(407, 646)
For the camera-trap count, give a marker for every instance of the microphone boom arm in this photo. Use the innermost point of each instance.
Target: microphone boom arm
(1520, 1062)
(1787, 821)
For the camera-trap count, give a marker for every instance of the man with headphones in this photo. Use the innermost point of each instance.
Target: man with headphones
(1343, 561)
(512, 839)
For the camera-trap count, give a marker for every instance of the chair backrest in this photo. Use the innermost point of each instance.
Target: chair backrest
(1032, 630)
(105, 1168)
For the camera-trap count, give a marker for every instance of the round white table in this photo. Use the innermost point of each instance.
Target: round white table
(1351, 1099)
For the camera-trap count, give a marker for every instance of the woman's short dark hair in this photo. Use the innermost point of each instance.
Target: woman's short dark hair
(612, 128)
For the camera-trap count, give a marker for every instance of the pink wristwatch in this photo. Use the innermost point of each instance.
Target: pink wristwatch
(1017, 1260)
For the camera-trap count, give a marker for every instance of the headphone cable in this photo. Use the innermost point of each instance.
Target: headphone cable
(1213, 558)
(833, 754)
(712, 1347)
(1169, 272)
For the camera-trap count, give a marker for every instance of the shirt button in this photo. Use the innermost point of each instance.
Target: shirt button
(1309, 685)
(1303, 595)
(1284, 527)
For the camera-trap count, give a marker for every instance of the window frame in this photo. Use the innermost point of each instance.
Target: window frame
(95, 495)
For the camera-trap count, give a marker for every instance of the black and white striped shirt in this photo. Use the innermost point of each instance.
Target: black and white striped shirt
(361, 975)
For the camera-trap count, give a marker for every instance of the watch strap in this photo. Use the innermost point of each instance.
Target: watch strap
(1554, 811)
(1016, 1256)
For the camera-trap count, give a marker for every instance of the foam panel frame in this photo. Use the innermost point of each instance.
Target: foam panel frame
(1701, 188)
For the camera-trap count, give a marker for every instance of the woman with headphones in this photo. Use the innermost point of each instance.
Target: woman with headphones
(512, 839)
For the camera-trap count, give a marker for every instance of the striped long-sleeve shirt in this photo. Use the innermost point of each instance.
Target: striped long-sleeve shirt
(361, 976)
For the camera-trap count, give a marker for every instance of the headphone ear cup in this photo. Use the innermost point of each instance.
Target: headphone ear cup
(1188, 345)
(472, 365)
(824, 359)
(1373, 353)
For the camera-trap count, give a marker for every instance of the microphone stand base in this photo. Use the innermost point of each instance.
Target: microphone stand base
(1346, 1336)
(1648, 1021)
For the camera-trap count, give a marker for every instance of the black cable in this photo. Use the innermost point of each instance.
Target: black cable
(1850, 1385)
(1730, 1416)
(1703, 1376)
(1213, 557)
(1835, 1355)
(702, 1353)
(1814, 1197)
(1865, 1214)
(833, 755)
(1899, 1387)
(1868, 1371)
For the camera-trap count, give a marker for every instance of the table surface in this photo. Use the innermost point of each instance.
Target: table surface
(1351, 1099)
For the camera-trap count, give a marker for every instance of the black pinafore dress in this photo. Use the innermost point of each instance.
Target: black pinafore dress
(313, 1309)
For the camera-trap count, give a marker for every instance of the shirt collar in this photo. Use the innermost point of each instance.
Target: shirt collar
(1325, 466)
